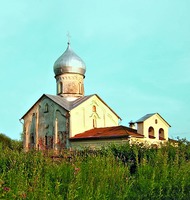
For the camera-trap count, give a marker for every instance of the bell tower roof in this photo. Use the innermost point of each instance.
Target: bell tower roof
(69, 62)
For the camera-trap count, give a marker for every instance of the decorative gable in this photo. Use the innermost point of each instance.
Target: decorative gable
(92, 113)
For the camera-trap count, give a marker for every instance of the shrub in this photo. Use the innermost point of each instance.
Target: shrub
(117, 172)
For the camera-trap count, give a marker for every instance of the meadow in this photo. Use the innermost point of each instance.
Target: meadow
(116, 172)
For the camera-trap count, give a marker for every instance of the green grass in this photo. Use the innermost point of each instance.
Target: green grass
(118, 172)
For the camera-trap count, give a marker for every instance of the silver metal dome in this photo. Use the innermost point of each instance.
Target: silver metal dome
(69, 62)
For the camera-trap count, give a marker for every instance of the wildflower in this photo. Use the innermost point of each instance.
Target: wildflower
(76, 170)
(6, 189)
(23, 195)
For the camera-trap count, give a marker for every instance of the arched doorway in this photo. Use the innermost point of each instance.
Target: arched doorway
(161, 134)
(151, 132)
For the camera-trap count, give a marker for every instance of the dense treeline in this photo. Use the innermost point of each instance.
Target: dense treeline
(116, 172)
(6, 142)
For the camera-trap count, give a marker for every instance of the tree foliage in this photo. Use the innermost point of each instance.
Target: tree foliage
(8, 143)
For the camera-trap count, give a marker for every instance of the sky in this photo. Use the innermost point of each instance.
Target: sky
(137, 54)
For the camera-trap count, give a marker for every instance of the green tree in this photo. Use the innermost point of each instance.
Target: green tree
(6, 142)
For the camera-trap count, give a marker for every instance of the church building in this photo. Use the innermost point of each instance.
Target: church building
(70, 119)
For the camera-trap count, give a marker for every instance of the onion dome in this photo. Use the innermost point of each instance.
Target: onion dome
(69, 62)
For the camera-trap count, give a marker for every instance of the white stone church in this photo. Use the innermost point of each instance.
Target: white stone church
(72, 120)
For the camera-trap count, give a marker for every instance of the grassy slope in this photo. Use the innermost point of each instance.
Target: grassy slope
(119, 172)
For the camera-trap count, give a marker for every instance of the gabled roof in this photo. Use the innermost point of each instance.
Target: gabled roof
(107, 133)
(68, 105)
(60, 101)
(142, 119)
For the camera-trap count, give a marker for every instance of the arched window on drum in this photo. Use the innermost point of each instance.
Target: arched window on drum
(60, 88)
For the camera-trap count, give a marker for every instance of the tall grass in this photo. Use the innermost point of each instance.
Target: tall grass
(118, 172)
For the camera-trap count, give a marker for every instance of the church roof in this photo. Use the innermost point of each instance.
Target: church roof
(68, 105)
(142, 119)
(108, 133)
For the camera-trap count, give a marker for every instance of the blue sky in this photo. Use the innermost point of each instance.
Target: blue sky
(137, 54)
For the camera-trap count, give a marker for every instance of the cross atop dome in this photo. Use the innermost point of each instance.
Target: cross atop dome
(69, 37)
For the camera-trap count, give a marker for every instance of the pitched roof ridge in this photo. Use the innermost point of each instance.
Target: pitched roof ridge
(64, 103)
(145, 117)
(80, 100)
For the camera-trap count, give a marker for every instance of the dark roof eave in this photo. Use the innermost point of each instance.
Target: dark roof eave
(100, 138)
(136, 136)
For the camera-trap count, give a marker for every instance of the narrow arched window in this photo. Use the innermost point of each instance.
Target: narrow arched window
(93, 108)
(94, 122)
(151, 132)
(161, 134)
(32, 139)
(46, 108)
(60, 88)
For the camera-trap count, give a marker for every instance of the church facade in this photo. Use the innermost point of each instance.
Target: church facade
(70, 119)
